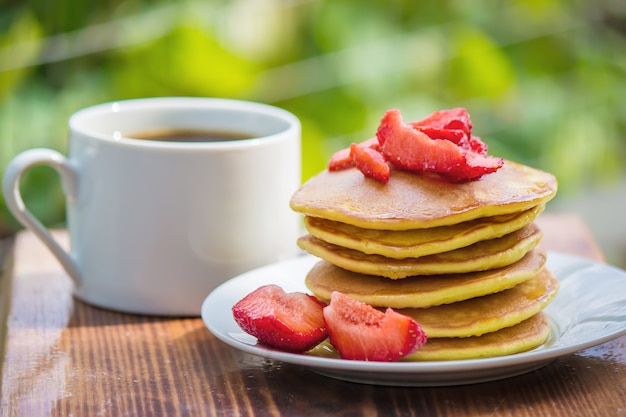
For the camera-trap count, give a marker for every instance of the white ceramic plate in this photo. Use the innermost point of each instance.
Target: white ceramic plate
(589, 309)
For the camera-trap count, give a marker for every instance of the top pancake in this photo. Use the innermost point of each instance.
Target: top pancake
(413, 201)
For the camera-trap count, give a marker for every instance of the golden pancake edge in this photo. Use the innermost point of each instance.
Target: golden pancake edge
(482, 255)
(490, 313)
(522, 337)
(410, 201)
(421, 291)
(415, 243)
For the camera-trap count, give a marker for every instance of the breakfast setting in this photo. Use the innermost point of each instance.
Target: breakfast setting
(213, 224)
(437, 263)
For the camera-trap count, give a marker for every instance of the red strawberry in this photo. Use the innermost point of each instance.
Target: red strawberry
(477, 145)
(342, 159)
(412, 149)
(471, 143)
(475, 167)
(360, 332)
(442, 143)
(371, 143)
(292, 322)
(453, 135)
(457, 119)
(370, 162)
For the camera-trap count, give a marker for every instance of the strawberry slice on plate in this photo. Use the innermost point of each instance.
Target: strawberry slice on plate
(292, 322)
(360, 332)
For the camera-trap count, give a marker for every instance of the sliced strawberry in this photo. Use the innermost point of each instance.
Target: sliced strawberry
(475, 167)
(413, 150)
(370, 162)
(457, 118)
(477, 145)
(441, 143)
(371, 143)
(360, 332)
(453, 135)
(342, 159)
(458, 137)
(292, 322)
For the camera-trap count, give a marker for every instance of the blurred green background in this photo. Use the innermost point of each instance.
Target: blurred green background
(542, 79)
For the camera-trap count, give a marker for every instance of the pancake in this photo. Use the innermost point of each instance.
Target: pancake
(421, 291)
(489, 254)
(410, 201)
(489, 313)
(522, 337)
(418, 242)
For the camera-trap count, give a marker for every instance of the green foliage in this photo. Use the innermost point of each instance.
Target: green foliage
(542, 79)
(188, 61)
(21, 44)
(480, 68)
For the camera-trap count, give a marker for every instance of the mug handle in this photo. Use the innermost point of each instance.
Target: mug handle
(14, 202)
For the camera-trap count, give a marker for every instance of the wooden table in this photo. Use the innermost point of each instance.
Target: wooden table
(65, 358)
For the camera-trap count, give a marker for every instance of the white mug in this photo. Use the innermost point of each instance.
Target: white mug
(155, 225)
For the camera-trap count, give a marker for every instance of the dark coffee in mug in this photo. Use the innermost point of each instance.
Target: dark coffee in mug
(189, 135)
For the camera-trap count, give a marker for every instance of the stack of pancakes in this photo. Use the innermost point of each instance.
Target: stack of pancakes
(463, 259)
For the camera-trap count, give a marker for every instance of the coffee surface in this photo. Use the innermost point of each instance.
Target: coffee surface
(189, 135)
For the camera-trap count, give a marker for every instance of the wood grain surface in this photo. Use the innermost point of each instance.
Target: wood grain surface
(62, 357)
